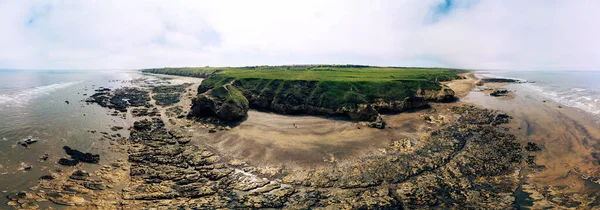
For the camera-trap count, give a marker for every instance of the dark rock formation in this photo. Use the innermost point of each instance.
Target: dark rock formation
(138, 112)
(80, 175)
(47, 177)
(169, 94)
(80, 156)
(68, 162)
(499, 92)
(142, 125)
(378, 123)
(26, 142)
(500, 80)
(120, 99)
(532, 147)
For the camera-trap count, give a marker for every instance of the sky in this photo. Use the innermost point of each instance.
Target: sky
(470, 34)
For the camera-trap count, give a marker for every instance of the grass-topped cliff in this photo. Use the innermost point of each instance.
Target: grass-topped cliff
(360, 92)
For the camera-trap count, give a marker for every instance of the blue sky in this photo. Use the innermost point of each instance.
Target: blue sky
(475, 34)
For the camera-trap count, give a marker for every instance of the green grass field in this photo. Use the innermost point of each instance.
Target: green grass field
(348, 73)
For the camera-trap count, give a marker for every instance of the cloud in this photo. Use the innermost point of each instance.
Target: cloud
(451, 33)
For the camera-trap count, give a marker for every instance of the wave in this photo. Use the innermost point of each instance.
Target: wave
(22, 97)
(580, 98)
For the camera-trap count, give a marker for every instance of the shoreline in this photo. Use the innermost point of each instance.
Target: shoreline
(267, 134)
(568, 165)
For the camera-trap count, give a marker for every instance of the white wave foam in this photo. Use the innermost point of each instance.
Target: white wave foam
(490, 75)
(22, 97)
(580, 98)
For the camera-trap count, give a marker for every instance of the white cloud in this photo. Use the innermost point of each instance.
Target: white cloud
(136, 34)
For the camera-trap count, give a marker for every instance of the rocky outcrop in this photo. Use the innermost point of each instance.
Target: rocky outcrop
(168, 94)
(445, 94)
(120, 99)
(81, 156)
(225, 102)
(499, 92)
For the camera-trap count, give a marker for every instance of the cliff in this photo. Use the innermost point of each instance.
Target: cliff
(359, 101)
(358, 92)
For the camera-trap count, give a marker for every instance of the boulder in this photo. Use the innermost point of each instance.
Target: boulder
(80, 175)
(499, 92)
(378, 123)
(67, 162)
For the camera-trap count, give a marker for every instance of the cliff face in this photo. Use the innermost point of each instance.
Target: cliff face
(361, 101)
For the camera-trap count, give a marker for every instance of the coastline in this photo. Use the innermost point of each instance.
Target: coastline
(567, 169)
(256, 154)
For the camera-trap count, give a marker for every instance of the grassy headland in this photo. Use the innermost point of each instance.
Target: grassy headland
(327, 89)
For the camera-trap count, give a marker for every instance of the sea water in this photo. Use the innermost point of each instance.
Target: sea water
(577, 89)
(33, 105)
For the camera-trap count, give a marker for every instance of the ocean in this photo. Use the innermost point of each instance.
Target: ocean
(577, 89)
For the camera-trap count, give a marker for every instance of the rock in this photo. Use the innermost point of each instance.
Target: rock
(120, 99)
(47, 177)
(183, 140)
(68, 162)
(94, 185)
(26, 142)
(64, 199)
(142, 125)
(378, 123)
(532, 147)
(80, 156)
(79, 175)
(445, 94)
(226, 103)
(168, 94)
(30, 205)
(67, 102)
(499, 92)
(116, 128)
(44, 157)
(499, 80)
(16, 196)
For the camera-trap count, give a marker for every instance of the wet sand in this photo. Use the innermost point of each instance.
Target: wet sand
(277, 140)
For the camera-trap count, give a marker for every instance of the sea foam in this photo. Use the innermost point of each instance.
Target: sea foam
(22, 97)
(586, 100)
